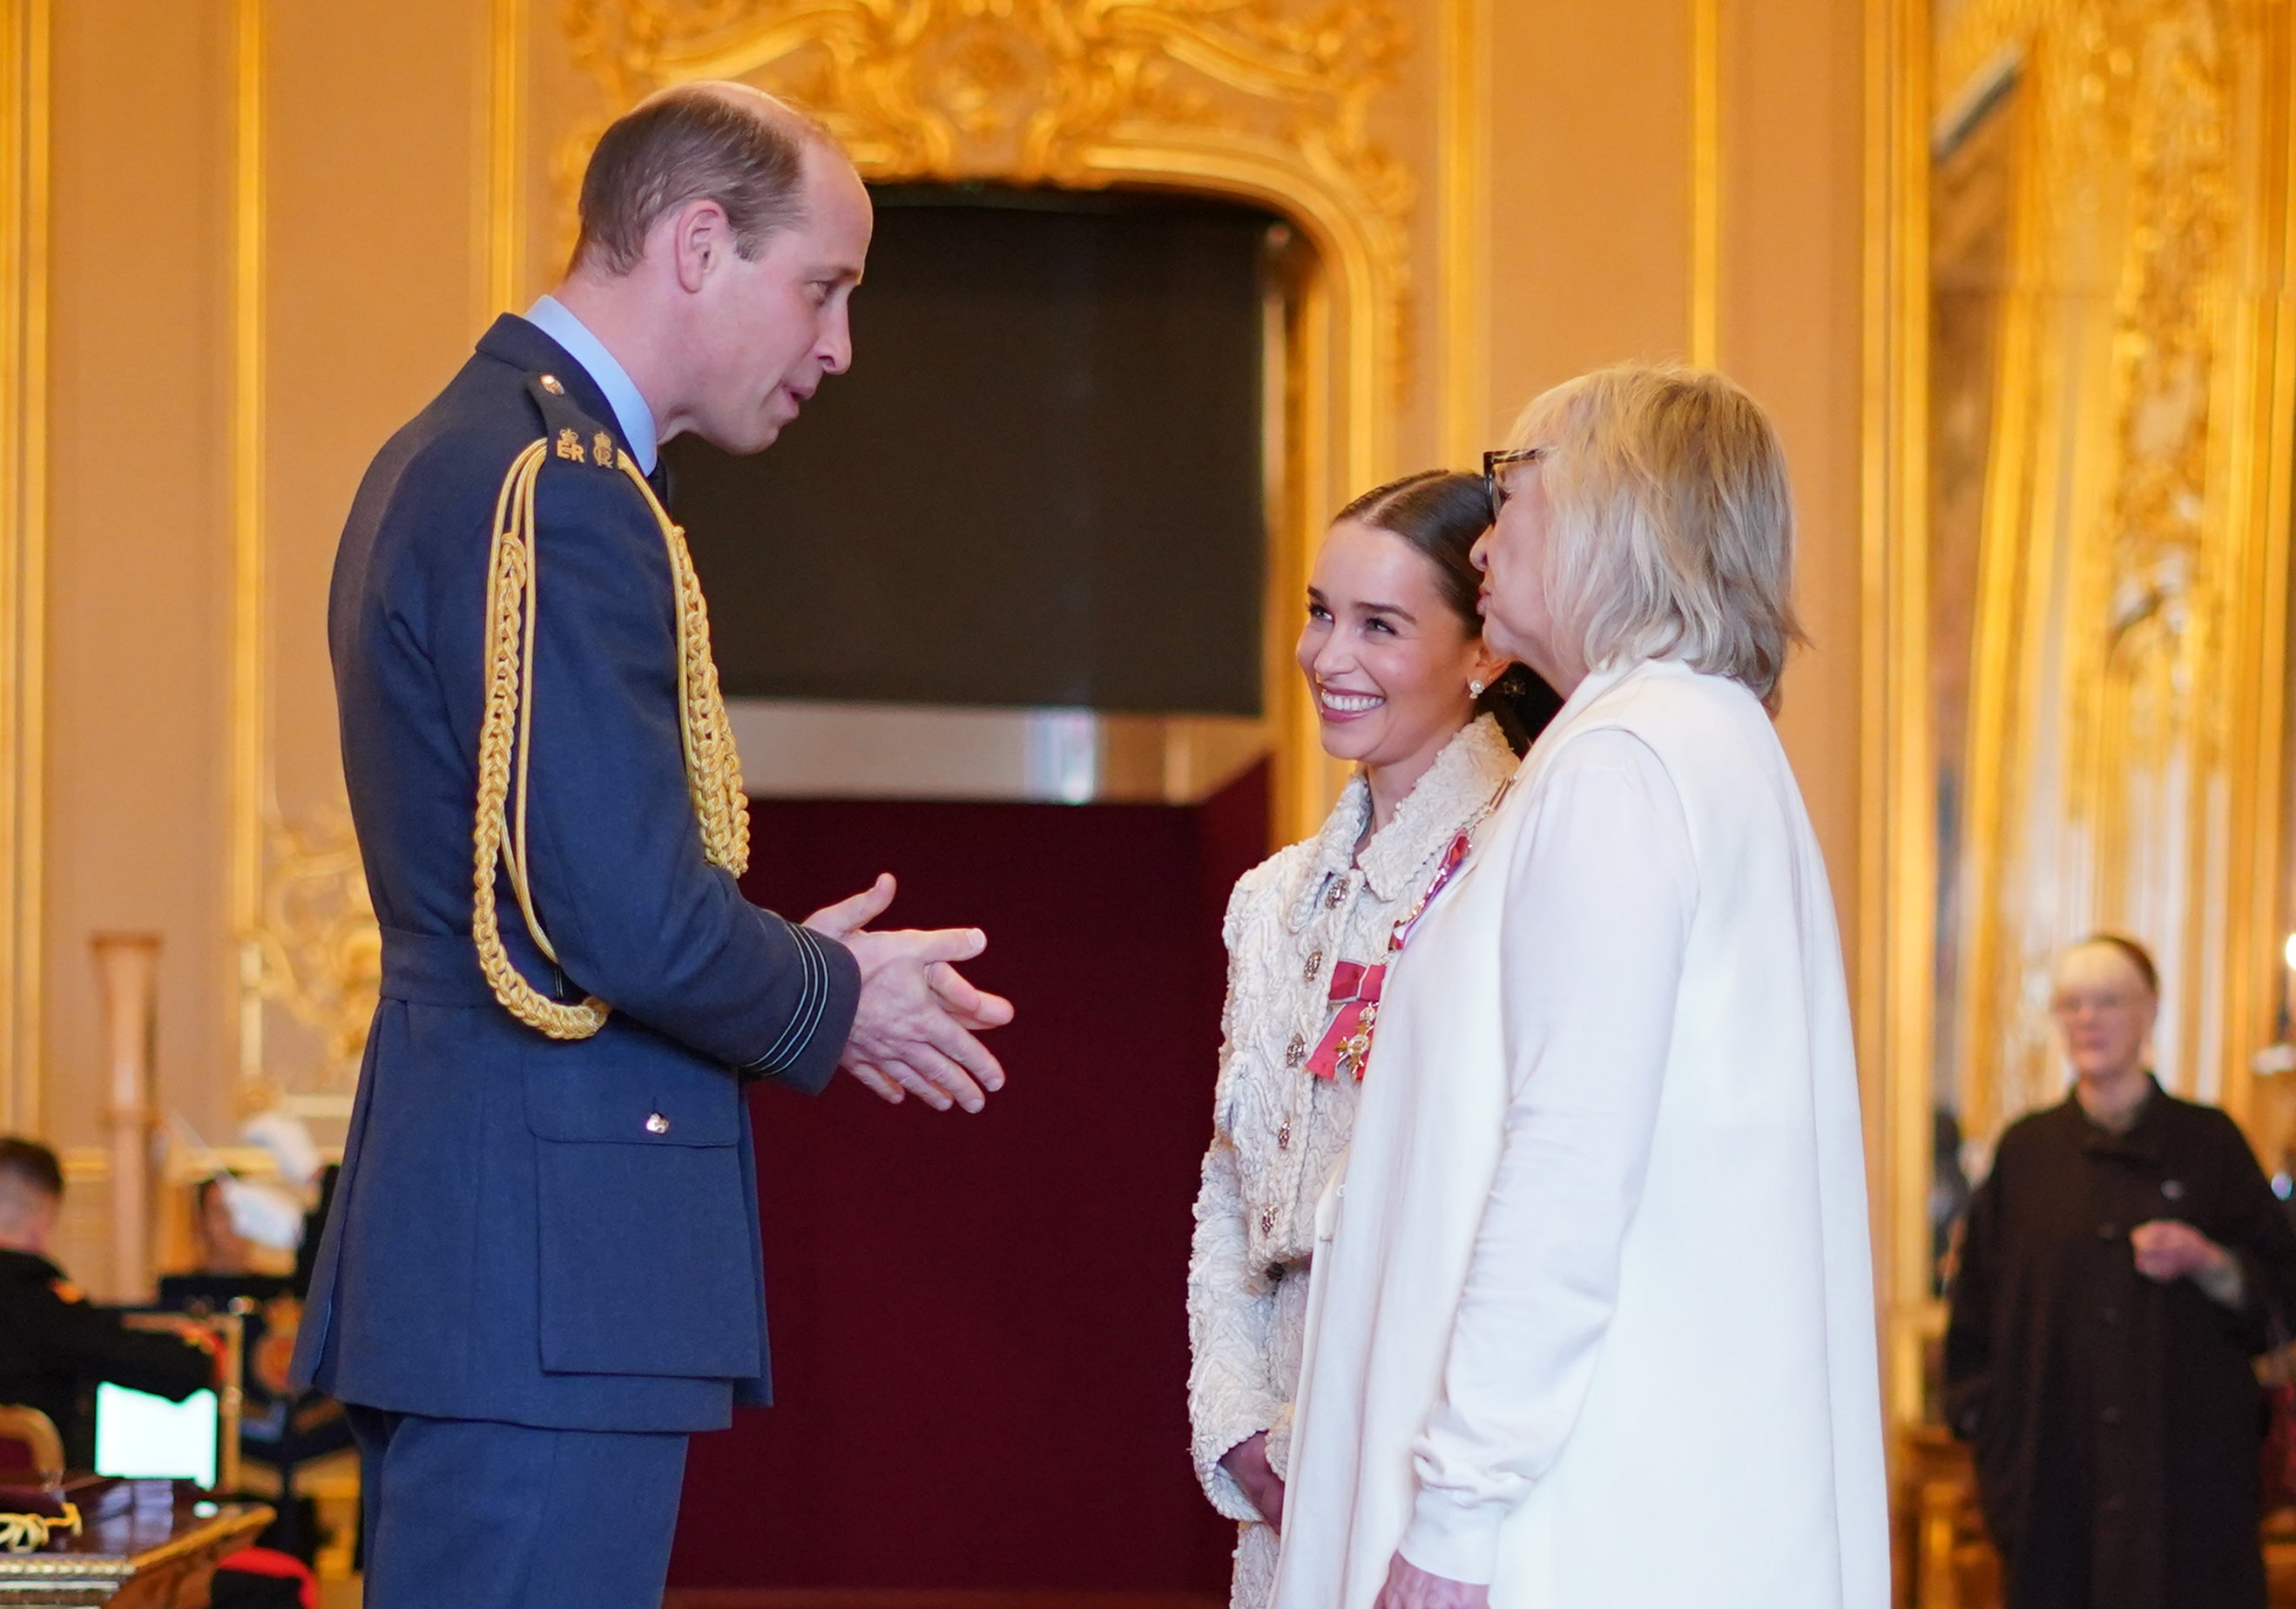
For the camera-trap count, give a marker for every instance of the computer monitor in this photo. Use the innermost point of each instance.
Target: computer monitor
(143, 1436)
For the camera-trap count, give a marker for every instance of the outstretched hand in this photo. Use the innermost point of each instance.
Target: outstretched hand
(913, 1029)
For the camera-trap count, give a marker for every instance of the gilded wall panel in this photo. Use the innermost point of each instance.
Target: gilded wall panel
(2093, 741)
(23, 541)
(2077, 466)
(355, 287)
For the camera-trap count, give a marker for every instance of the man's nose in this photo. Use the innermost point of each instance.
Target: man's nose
(836, 347)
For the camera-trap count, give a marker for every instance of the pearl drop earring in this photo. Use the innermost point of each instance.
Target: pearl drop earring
(1475, 688)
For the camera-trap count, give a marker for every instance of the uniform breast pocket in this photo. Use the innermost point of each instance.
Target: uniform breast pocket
(647, 1219)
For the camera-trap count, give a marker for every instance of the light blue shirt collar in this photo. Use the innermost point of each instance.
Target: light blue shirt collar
(630, 410)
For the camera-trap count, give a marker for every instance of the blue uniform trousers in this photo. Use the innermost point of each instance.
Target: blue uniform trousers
(485, 1515)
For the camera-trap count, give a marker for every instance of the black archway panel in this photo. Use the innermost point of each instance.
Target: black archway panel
(1041, 484)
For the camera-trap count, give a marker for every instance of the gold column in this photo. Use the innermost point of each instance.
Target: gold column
(2257, 389)
(250, 623)
(128, 966)
(1705, 182)
(501, 188)
(1463, 290)
(23, 537)
(1897, 849)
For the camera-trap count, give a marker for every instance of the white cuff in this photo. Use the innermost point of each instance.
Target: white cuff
(1213, 1444)
(1458, 1542)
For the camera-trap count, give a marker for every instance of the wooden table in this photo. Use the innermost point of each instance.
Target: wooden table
(150, 1545)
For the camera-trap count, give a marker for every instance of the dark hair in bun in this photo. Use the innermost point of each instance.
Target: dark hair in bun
(1441, 514)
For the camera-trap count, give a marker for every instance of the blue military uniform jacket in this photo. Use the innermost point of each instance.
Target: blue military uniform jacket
(554, 1234)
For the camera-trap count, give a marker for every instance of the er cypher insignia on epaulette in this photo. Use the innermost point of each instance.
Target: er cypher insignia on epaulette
(574, 437)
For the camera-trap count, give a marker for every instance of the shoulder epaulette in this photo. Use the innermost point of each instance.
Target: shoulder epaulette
(713, 771)
(570, 434)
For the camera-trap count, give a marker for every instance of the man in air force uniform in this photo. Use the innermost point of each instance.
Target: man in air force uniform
(542, 1268)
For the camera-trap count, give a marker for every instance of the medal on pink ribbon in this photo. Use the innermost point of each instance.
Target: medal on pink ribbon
(1346, 1046)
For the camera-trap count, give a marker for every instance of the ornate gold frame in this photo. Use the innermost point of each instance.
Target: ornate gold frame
(23, 538)
(2191, 479)
(1252, 99)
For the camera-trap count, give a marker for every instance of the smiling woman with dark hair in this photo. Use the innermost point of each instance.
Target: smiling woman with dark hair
(1392, 651)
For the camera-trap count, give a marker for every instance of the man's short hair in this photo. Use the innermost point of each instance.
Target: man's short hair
(28, 1162)
(720, 143)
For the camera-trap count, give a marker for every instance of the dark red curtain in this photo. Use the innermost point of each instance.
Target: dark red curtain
(979, 1343)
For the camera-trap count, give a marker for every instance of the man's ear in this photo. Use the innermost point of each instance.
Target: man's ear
(700, 238)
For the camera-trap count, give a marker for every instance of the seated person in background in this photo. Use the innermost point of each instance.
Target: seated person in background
(222, 1248)
(55, 1348)
(251, 1238)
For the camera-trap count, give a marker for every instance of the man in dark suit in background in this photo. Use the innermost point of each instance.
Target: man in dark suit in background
(57, 1347)
(542, 1269)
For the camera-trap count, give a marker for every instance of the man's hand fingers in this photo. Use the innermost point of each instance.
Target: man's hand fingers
(967, 1054)
(929, 945)
(916, 1075)
(973, 1007)
(875, 1082)
(855, 912)
(945, 1075)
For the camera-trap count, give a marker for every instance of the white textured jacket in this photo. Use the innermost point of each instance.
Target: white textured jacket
(1592, 1313)
(1277, 1131)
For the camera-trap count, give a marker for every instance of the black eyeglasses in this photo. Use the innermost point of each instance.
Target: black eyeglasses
(1496, 464)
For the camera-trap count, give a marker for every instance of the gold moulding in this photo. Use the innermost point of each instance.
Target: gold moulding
(1249, 98)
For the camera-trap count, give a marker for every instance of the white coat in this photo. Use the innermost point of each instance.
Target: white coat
(1591, 1317)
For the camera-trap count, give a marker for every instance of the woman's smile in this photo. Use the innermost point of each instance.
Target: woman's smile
(1343, 703)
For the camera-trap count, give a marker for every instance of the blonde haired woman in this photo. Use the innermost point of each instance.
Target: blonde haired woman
(1392, 652)
(1591, 1321)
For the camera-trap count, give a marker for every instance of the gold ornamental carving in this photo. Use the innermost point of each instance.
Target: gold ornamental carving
(1259, 99)
(2117, 748)
(316, 956)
